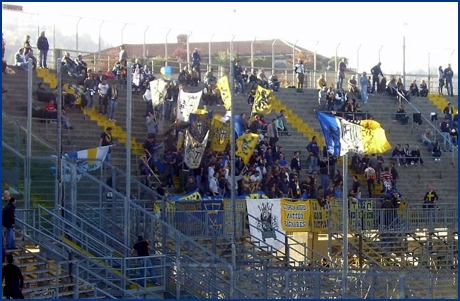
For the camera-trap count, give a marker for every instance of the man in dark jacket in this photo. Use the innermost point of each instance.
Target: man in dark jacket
(376, 71)
(43, 95)
(43, 47)
(142, 248)
(14, 281)
(196, 60)
(8, 221)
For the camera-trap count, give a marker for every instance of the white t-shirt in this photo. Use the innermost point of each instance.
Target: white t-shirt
(147, 95)
(103, 88)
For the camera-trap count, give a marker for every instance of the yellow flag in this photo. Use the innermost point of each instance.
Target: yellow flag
(224, 87)
(246, 145)
(374, 138)
(295, 215)
(220, 134)
(180, 140)
(262, 101)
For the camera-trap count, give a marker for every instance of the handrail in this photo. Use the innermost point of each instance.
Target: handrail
(39, 238)
(178, 235)
(91, 244)
(453, 147)
(94, 230)
(37, 138)
(287, 238)
(214, 233)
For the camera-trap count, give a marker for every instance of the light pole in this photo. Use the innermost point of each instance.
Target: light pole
(122, 31)
(273, 55)
(188, 49)
(404, 61)
(336, 59)
(209, 52)
(143, 50)
(100, 41)
(293, 61)
(404, 55)
(314, 58)
(357, 59)
(100, 28)
(252, 53)
(166, 47)
(429, 75)
(76, 35)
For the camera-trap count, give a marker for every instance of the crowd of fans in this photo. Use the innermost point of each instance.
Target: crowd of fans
(268, 169)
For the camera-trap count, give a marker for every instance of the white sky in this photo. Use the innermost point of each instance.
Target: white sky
(370, 25)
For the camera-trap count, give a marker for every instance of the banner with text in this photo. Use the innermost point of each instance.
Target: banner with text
(240, 209)
(295, 215)
(187, 103)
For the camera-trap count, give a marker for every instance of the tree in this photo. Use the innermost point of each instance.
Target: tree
(180, 54)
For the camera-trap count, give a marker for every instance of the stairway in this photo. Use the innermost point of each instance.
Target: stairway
(46, 278)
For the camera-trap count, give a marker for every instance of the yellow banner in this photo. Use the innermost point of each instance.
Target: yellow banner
(246, 145)
(255, 196)
(224, 87)
(295, 215)
(262, 101)
(220, 134)
(319, 218)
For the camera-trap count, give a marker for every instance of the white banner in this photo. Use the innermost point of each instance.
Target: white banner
(137, 77)
(265, 220)
(187, 103)
(194, 150)
(158, 90)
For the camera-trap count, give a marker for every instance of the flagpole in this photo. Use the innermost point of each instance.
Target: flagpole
(232, 153)
(59, 169)
(345, 225)
(128, 159)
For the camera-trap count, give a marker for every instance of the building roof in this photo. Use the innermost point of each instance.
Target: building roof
(243, 48)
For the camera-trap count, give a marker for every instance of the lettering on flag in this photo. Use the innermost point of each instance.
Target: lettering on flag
(295, 215)
(262, 101)
(319, 218)
(240, 208)
(158, 89)
(220, 134)
(223, 85)
(194, 150)
(187, 103)
(200, 123)
(246, 145)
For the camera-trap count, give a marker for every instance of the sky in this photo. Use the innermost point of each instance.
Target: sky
(360, 28)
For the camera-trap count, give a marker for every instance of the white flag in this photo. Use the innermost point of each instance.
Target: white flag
(265, 220)
(194, 150)
(90, 159)
(137, 76)
(158, 90)
(187, 103)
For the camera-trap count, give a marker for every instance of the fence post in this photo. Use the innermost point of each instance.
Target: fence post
(402, 286)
